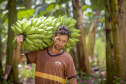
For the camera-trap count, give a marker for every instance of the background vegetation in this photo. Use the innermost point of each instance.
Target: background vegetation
(99, 56)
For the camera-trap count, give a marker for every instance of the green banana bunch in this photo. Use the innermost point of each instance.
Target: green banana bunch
(38, 32)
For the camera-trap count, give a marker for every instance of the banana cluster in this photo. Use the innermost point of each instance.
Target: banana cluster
(38, 32)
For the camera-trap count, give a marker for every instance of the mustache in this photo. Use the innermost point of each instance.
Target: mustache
(59, 45)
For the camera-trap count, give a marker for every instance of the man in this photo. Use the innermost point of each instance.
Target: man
(53, 64)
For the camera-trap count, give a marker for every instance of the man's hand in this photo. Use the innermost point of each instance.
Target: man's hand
(17, 54)
(19, 39)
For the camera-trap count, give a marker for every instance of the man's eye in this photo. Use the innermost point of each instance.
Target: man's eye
(64, 41)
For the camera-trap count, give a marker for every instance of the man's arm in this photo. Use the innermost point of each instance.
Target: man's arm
(17, 54)
(72, 81)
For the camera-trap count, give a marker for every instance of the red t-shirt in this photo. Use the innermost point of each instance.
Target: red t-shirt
(51, 69)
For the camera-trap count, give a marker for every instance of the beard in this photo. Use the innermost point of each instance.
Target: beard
(58, 47)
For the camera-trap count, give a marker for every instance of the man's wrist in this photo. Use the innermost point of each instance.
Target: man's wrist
(18, 47)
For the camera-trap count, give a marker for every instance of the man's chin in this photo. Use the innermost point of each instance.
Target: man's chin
(58, 48)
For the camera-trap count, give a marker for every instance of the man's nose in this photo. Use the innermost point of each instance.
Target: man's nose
(60, 42)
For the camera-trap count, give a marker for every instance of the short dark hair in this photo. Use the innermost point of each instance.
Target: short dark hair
(63, 30)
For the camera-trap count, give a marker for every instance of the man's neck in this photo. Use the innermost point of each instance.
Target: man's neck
(54, 51)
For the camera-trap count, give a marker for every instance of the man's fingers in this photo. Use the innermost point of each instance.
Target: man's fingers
(19, 38)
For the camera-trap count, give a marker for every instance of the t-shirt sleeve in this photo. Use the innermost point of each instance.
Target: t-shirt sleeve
(31, 57)
(70, 69)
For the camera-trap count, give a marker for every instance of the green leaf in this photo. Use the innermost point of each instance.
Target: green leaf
(1, 1)
(47, 9)
(59, 12)
(89, 14)
(6, 21)
(25, 13)
(62, 1)
(84, 7)
(50, 7)
(102, 19)
(99, 4)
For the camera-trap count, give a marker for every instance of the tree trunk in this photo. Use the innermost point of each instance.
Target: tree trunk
(84, 64)
(12, 17)
(117, 11)
(122, 39)
(110, 61)
(74, 55)
(1, 71)
(91, 35)
(73, 50)
(68, 9)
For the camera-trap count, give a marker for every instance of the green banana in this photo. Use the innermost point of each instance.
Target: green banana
(23, 44)
(35, 40)
(49, 28)
(14, 41)
(44, 45)
(57, 25)
(75, 39)
(71, 40)
(48, 24)
(54, 20)
(47, 40)
(42, 36)
(38, 32)
(41, 47)
(24, 24)
(28, 41)
(37, 44)
(63, 19)
(19, 31)
(30, 47)
(26, 45)
(50, 43)
(50, 18)
(74, 35)
(33, 36)
(67, 21)
(74, 30)
(50, 32)
(67, 45)
(43, 19)
(34, 21)
(41, 26)
(58, 19)
(13, 28)
(27, 27)
(38, 24)
(73, 21)
(70, 25)
(39, 40)
(49, 36)
(18, 24)
(32, 31)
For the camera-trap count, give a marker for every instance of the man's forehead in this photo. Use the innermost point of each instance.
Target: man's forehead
(61, 36)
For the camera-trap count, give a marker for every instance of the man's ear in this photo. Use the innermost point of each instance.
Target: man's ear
(53, 37)
(67, 40)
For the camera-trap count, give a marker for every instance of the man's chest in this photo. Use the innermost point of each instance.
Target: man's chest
(51, 63)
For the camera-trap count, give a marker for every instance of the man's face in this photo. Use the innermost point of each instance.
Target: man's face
(60, 41)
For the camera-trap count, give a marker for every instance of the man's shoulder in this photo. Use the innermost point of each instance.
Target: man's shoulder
(67, 55)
